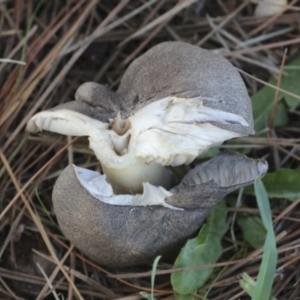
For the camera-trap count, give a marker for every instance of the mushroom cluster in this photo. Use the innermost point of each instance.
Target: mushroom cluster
(174, 102)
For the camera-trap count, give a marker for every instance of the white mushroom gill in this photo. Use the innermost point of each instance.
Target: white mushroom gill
(168, 132)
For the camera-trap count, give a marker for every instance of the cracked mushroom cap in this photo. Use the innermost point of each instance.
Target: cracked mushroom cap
(174, 103)
(126, 235)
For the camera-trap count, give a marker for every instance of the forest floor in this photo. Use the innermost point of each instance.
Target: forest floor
(48, 48)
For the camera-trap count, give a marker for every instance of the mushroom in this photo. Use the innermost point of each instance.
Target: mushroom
(267, 8)
(173, 104)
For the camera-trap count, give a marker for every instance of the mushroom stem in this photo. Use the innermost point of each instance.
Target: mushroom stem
(129, 180)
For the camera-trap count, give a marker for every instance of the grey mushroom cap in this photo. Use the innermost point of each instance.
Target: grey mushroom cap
(173, 103)
(119, 236)
(170, 69)
(184, 70)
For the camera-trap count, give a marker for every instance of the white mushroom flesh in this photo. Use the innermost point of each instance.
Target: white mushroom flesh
(267, 8)
(168, 132)
(96, 184)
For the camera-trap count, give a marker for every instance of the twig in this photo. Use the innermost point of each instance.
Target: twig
(272, 19)
(48, 282)
(225, 21)
(270, 85)
(160, 19)
(262, 47)
(276, 97)
(38, 223)
(100, 31)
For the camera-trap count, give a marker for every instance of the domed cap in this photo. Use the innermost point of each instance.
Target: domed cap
(186, 71)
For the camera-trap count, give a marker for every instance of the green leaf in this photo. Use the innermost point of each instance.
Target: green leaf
(206, 248)
(253, 230)
(263, 204)
(281, 184)
(261, 288)
(248, 284)
(290, 82)
(46, 210)
(212, 152)
(154, 267)
(267, 269)
(147, 296)
(262, 103)
(185, 297)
